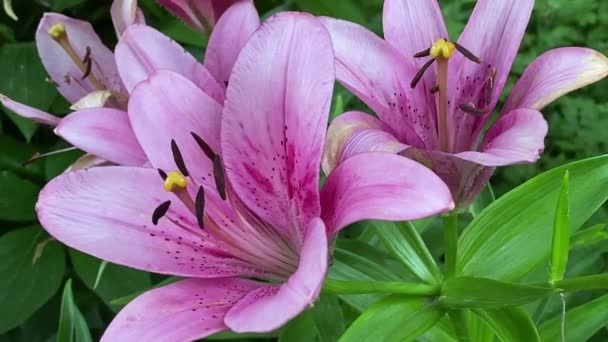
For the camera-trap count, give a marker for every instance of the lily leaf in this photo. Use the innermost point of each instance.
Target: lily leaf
(72, 325)
(581, 322)
(561, 234)
(509, 324)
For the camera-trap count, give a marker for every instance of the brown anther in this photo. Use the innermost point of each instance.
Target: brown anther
(420, 73)
(218, 175)
(199, 204)
(468, 54)
(88, 65)
(160, 211)
(423, 53)
(162, 174)
(87, 55)
(490, 85)
(204, 146)
(470, 108)
(434, 89)
(179, 160)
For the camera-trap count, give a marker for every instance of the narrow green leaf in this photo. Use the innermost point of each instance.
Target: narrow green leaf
(471, 292)
(561, 233)
(589, 236)
(394, 318)
(509, 324)
(26, 285)
(102, 267)
(8, 8)
(485, 198)
(478, 330)
(581, 322)
(405, 244)
(509, 238)
(388, 287)
(72, 325)
(592, 282)
(328, 318)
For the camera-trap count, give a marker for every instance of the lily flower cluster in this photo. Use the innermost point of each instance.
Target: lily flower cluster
(210, 171)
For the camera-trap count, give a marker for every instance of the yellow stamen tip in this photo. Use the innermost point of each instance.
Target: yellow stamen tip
(57, 31)
(175, 180)
(442, 49)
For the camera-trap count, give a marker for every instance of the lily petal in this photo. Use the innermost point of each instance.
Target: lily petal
(104, 132)
(412, 26)
(275, 117)
(515, 138)
(352, 133)
(64, 71)
(379, 75)
(125, 13)
(143, 50)
(556, 73)
(186, 310)
(270, 307)
(228, 38)
(200, 14)
(107, 212)
(96, 99)
(169, 107)
(29, 112)
(383, 186)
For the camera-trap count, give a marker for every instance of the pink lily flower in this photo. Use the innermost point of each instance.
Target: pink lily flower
(244, 201)
(433, 97)
(201, 15)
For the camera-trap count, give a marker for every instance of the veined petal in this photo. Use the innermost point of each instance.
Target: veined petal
(104, 132)
(412, 26)
(275, 117)
(29, 112)
(493, 33)
(169, 107)
(382, 186)
(64, 71)
(186, 310)
(107, 212)
(556, 73)
(380, 76)
(270, 307)
(228, 38)
(517, 137)
(125, 13)
(143, 50)
(352, 133)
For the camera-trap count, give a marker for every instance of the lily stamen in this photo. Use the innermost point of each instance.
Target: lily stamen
(468, 54)
(160, 212)
(470, 108)
(218, 175)
(199, 204)
(179, 159)
(420, 73)
(490, 85)
(204, 146)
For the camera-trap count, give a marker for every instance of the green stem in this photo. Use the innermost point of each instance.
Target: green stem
(593, 282)
(450, 234)
(361, 287)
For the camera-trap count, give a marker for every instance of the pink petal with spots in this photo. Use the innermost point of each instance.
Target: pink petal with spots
(104, 132)
(270, 307)
(28, 112)
(64, 71)
(142, 51)
(275, 117)
(381, 186)
(355, 132)
(228, 38)
(168, 106)
(380, 76)
(107, 212)
(186, 310)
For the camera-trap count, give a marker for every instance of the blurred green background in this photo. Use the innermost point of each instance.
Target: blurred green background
(34, 268)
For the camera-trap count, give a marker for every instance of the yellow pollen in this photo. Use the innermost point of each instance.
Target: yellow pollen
(175, 180)
(442, 49)
(57, 31)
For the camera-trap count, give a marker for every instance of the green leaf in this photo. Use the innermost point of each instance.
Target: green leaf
(388, 287)
(26, 285)
(485, 198)
(102, 267)
(116, 281)
(592, 282)
(589, 236)
(509, 238)
(509, 324)
(23, 80)
(394, 318)
(561, 234)
(18, 198)
(328, 318)
(72, 325)
(299, 329)
(405, 244)
(477, 329)
(471, 292)
(8, 8)
(581, 322)
(342, 9)
(61, 5)
(13, 153)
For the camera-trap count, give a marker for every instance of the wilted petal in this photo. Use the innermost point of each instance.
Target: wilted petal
(517, 137)
(64, 71)
(96, 99)
(228, 38)
(29, 112)
(268, 308)
(125, 13)
(107, 212)
(104, 132)
(186, 310)
(352, 133)
(143, 50)
(275, 117)
(168, 106)
(555, 73)
(87, 161)
(383, 186)
(379, 75)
